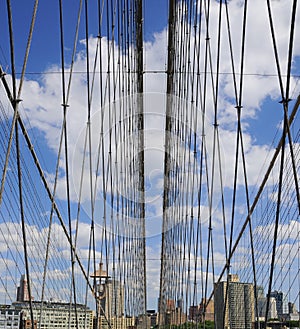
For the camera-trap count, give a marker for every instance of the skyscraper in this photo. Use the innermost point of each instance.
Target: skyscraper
(22, 290)
(237, 310)
(112, 303)
(262, 304)
(281, 303)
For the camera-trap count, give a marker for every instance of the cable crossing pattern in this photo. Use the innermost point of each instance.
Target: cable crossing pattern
(191, 133)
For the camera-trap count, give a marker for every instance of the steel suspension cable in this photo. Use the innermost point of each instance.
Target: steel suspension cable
(285, 97)
(15, 126)
(65, 106)
(19, 90)
(260, 190)
(285, 131)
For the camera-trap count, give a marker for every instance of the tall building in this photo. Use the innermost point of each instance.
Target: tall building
(261, 307)
(262, 304)
(237, 310)
(112, 302)
(111, 298)
(292, 308)
(281, 303)
(173, 314)
(22, 290)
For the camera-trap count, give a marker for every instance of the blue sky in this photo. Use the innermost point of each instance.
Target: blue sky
(41, 96)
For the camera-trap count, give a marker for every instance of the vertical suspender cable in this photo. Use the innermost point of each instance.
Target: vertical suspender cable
(167, 160)
(65, 106)
(140, 127)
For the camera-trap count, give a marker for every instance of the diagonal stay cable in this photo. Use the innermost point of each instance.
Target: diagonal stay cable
(45, 182)
(260, 190)
(285, 98)
(284, 133)
(240, 149)
(18, 96)
(278, 206)
(15, 126)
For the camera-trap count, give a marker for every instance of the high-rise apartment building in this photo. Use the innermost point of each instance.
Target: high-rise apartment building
(234, 304)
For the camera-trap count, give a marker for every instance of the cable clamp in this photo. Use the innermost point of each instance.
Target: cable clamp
(285, 101)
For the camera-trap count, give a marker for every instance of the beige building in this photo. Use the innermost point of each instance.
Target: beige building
(116, 322)
(112, 299)
(204, 311)
(207, 310)
(237, 310)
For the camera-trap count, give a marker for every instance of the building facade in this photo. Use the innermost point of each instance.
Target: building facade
(261, 307)
(204, 311)
(112, 301)
(22, 290)
(281, 303)
(56, 315)
(234, 304)
(116, 322)
(10, 318)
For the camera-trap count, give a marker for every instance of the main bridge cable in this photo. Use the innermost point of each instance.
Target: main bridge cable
(216, 150)
(200, 190)
(192, 147)
(198, 228)
(244, 167)
(207, 63)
